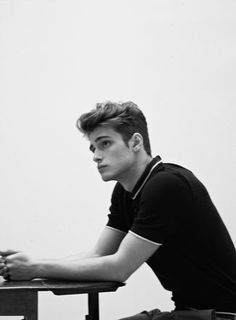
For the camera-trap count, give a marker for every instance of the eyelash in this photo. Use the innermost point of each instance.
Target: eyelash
(104, 144)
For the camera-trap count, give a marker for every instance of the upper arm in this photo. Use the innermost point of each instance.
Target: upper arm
(165, 207)
(108, 242)
(133, 252)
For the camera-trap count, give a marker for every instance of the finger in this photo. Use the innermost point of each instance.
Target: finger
(11, 257)
(7, 277)
(2, 272)
(6, 268)
(5, 272)
(8, 252)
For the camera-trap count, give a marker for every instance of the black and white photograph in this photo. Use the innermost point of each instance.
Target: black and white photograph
(117, 159)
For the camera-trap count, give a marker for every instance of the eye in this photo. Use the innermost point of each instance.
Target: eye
(106, 144)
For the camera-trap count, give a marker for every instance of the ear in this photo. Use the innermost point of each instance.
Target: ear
(136, 142)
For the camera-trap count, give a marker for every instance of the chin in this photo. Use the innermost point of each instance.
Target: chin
(107, 177)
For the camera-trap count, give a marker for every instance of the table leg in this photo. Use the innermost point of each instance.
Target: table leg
(19, 303)
(31, 317)
(93, 306)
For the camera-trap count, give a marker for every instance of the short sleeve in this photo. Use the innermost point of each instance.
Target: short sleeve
(116, 217)
(164, 208)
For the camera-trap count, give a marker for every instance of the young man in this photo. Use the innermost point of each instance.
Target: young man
(160, 214)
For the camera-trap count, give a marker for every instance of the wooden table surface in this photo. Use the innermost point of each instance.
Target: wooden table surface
(60, 286)
(21, 297)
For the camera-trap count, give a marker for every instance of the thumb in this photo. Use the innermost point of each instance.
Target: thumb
(8, 252)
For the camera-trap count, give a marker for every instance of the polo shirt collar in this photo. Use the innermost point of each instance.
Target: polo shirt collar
(145, 176)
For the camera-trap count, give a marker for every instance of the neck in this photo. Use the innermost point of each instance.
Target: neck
(131, 178)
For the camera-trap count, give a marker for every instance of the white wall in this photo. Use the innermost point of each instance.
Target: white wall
(175, 59)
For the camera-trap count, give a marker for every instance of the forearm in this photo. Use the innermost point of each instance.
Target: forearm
(78, 256)
(92, 269)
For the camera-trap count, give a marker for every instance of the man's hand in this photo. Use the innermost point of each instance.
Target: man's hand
(3, 268)
(16, 266)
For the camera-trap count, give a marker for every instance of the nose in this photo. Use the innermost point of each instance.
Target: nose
(97, 157)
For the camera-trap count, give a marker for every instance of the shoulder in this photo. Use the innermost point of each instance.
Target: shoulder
(171, 181)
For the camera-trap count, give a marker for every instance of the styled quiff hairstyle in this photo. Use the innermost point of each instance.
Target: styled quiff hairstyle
(125, 118)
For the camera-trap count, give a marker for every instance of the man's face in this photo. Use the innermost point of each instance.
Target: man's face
(113, 157)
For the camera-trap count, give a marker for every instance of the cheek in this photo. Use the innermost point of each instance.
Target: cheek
(120, 155)
(123, 158)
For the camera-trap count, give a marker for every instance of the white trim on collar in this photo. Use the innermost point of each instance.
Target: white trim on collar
(147, 177)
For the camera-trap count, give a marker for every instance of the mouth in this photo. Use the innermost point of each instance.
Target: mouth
(100, 168)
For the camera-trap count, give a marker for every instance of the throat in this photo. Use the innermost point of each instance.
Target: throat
(131, 178)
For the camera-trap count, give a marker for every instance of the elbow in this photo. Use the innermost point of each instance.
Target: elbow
(120, 272)
(124, 273)
(124, 277)
(120, 276)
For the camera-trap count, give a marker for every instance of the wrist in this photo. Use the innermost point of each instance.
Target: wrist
(37, 269)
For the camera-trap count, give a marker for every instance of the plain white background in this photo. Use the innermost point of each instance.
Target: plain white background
(174, 58)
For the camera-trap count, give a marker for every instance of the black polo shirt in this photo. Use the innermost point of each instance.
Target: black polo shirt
(196, 259)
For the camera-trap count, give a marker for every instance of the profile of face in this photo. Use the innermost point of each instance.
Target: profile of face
(114, 158)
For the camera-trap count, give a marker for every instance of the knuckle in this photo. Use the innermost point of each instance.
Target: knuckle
(8, 259)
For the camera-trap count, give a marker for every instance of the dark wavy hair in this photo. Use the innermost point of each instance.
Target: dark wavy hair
(125, 118)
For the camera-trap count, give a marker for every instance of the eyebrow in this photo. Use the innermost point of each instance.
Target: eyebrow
(91, 147)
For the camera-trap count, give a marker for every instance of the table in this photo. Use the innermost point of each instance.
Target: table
(20, 298)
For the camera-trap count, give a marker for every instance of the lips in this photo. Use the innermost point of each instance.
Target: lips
(101, 167)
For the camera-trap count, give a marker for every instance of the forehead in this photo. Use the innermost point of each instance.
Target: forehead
(103, 132)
